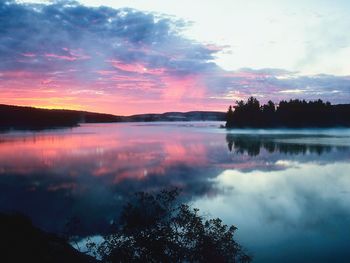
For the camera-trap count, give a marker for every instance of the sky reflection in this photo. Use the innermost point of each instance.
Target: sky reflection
(286, 192)
(300, 214)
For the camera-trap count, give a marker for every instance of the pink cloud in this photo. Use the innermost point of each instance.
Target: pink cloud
(138, 67)
(72, 55)
(190, 86)
(18, 74)
(68, 58)
(30, 55)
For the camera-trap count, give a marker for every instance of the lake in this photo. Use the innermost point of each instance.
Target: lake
(287, 191)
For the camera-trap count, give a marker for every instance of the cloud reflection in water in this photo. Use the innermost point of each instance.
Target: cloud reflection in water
(277, 189)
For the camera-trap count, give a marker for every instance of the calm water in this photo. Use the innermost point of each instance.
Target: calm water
(288, 192)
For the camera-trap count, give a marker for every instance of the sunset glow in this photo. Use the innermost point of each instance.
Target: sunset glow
(125, 61)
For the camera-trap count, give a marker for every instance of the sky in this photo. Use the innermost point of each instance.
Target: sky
(141, 56)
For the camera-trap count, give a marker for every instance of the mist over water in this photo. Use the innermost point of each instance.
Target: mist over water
(287, 191)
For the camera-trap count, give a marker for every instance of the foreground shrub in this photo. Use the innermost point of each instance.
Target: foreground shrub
(155, 228)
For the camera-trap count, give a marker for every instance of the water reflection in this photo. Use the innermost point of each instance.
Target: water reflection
(274, 187)
(300, 214)
(284, 144)
(89, 172)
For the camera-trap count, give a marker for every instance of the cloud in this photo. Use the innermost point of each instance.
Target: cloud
(126, 55)
(277, 84)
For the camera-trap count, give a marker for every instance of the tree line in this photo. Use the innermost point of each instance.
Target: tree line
(290, 114)
(29, 118)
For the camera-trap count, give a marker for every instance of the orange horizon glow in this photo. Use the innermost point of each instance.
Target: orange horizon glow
(133, 90)
(126, 62)
(127, 111)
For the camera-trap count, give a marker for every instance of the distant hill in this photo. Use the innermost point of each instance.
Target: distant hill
(29, 118)
(179, 116)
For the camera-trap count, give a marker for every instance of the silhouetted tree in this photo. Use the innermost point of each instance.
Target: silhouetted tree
(268, 113)
(245, 113)
(253, 104)
(229, 115)
(293, 113)
(155, 228)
